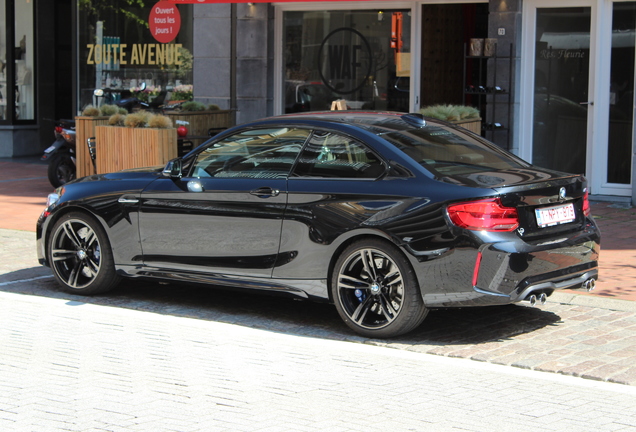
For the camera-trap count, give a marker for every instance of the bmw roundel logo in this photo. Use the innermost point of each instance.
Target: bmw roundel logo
(562, 193)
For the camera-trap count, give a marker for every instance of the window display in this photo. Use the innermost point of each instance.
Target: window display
(134, 50)
(362, 57)
(17, 80)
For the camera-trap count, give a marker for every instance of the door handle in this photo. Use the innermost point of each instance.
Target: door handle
(127, 200)
(587, 103)
(265, 192)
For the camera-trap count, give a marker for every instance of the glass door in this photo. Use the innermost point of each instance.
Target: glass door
(620, 115)
(577, 94)
(561, 99)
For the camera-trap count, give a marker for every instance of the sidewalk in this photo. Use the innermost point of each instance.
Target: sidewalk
(24, 187)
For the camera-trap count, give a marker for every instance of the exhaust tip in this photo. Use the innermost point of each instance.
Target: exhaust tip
(543, 299)
(532, 300)
(589, 284)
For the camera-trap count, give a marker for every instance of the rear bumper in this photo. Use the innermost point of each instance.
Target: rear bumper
(509, 271)
(546, 287)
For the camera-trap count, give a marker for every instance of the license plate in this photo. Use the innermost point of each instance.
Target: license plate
(555, 215)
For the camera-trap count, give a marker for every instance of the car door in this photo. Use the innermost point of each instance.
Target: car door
(225, 215)
(332, 190)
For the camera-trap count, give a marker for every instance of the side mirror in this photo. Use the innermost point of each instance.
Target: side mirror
(173, 169)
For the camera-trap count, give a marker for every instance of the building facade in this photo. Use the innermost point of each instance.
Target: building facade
(554, 81)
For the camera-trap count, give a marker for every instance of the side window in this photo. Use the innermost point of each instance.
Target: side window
(256, 153)
(330, 155)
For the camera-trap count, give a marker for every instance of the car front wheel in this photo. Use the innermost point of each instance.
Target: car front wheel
(80, 255)
(375, 290)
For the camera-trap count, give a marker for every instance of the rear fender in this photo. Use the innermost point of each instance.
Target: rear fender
(58, 146)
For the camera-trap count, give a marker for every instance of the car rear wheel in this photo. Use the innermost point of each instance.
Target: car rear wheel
(80, 255)
(375, 290)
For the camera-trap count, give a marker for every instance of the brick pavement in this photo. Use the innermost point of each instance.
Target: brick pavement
(72, 366)
(24, 187)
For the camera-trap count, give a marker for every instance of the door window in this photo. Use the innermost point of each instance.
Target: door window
(257, 153)
(331, 155)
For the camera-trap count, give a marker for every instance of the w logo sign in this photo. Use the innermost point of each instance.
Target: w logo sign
(345, 61)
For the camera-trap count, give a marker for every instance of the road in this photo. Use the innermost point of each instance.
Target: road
(68, 365)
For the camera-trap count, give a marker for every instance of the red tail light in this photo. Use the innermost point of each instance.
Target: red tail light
(58, 129)
(484, 215)
(586, 204)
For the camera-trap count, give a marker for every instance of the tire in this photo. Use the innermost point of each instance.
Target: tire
(61, 169)
(375, 290)
(80, 255)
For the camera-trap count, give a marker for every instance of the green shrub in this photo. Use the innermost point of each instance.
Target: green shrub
(213, 107)
(116, 119)
(137, 119)
(108, 110)
(450, 112)
(192, 106)
(91, 111)
(160, 122)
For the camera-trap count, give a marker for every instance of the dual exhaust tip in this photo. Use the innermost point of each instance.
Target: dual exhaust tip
(533, 299)
(542, 298)
(589, 284)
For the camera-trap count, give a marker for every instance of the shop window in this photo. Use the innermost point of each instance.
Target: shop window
(134, 49)
(362, 57)
(17, 59)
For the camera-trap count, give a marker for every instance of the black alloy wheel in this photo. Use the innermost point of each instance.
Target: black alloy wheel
(61, 169)
(375, 290)
(80, 255)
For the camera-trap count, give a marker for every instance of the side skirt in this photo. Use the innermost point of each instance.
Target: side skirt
(313, 289)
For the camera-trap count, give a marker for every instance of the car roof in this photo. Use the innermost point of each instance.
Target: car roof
(373, 121)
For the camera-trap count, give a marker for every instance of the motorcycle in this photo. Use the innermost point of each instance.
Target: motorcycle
(125, 99)
(61, 154)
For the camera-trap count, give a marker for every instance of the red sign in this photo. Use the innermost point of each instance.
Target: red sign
(164, 21)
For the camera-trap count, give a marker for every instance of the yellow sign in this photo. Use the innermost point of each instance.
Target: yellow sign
(136, 54)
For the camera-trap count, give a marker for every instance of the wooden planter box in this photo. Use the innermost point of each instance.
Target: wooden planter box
(84, 129)
(201, 121)
(118, 148)
(473, 125)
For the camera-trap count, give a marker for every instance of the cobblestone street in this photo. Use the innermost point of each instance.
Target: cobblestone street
(73, 366)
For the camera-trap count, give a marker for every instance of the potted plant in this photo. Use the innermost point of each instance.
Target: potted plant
(135, 140)
(85, 125)
(461, 115)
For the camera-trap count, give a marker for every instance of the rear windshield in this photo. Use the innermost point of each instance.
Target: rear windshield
(444, 151)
